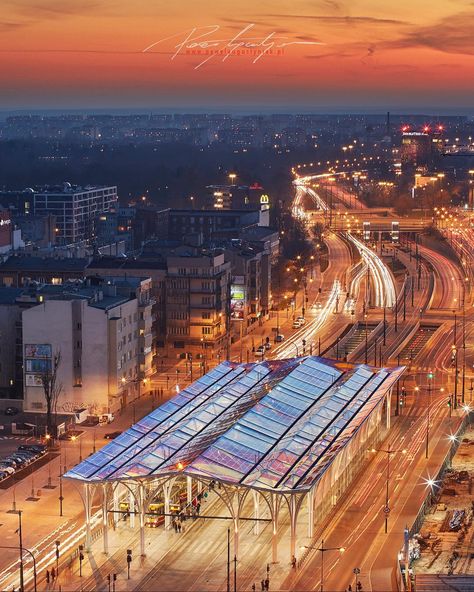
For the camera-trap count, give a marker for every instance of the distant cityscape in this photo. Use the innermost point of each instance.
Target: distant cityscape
(258, 303)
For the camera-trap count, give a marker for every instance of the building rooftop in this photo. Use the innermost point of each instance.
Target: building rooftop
(31, 263)
(275, 426)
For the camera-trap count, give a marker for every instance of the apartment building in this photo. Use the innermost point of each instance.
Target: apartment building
(102, 329)
(198, 303)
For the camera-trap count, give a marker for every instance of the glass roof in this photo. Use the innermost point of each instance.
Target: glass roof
(274, 425)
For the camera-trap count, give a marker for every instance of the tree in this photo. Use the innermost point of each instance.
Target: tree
(52, 389)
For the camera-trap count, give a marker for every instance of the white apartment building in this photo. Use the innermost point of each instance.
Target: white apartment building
(75, 208)
(104, 336)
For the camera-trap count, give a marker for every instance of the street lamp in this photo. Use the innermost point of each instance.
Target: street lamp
(322, 549)
(73, 439)
(388, 452)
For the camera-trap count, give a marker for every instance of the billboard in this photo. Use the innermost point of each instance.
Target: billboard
(38, 366)
(33, 380)
(40, 350)
(237, 303)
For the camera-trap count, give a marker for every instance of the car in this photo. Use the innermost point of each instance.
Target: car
(268, 345)
(112, 435)
(29, 456)
(20, 461)
(296, 324)
(279, 338)
(302, 320)
(10, 464)
(37, 448)
(12, 411)
(6, 469)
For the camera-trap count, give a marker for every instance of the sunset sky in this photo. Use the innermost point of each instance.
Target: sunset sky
(86, 54)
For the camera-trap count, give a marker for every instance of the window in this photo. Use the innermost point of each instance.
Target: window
(206, 330)
(206, 300)
(206, 315)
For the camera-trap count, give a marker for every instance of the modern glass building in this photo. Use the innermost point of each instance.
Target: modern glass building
(292, 431)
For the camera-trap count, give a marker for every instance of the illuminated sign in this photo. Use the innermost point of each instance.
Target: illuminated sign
(41, 350)
(237, 303)
(264, 199)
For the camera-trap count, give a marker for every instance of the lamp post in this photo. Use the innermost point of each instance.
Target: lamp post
(388, 452)
(366, 352)
(455, 359)
(322, 549)
(74, 438)
(430, 377)
(33, 559)
(20, 541)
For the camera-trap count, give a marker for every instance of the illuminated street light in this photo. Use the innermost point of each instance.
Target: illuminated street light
(388, 452)
(322, 549)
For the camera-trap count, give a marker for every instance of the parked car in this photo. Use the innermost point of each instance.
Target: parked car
(7, 464)
(28, 455)
(112, 435)
(38, 448)
(302, 320)
(7, 469)
(296, 324)
(279, 338)
(268, 345)
(18, 459)
(11, 411)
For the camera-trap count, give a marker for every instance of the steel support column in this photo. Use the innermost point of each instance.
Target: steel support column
(142, 509)
(105, 521)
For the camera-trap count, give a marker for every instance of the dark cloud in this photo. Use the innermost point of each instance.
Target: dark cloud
(334, 54)
(6, 26)
(452, 35)
(339, 20)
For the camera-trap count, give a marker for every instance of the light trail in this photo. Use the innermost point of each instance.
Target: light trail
(44, 551)
(307, 332)
(385, 292)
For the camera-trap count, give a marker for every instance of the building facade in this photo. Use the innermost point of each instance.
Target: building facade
(75, 208)
(197, 303)
(103, 335)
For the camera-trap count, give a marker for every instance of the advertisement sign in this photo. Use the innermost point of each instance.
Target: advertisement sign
(40, 350)
(38, 366)
(237, 303)
(33, 380)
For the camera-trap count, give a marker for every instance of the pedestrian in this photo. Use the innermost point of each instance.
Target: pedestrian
(198, 508)
(293, 562)
(349, 589)
(175, 526)
(253, 587)
(359, 586)
(47, 576)
(267, 584)
(263, 584)
(179, 526)
(53, 574)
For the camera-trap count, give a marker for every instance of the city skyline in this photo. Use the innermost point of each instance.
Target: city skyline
(331, 56)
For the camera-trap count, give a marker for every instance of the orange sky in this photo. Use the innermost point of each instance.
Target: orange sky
(373, 55)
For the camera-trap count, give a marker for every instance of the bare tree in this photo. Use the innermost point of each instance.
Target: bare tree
(52, 389)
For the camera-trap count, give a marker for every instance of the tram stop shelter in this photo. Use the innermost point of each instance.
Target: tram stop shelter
(282, 433)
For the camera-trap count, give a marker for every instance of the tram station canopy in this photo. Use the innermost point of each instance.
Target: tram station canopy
(276, 425)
